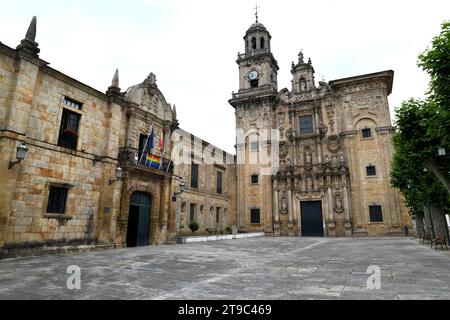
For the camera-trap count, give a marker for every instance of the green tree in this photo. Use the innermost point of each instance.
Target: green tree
(422, 128)
(436, 62)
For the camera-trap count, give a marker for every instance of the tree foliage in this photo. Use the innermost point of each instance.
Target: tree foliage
(421, 128)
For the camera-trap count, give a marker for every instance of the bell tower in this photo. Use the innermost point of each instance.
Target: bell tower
(257, 66)
(254, 106)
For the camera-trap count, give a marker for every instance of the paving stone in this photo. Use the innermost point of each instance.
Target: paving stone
(258, 268)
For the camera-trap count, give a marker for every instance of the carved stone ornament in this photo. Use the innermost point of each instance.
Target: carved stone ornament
(333, 144)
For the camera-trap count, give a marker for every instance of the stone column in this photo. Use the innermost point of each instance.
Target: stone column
(276, 215)
(298, 232)
(290, 210)
(346, 204)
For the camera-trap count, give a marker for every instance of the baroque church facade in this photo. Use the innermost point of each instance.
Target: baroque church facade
(114, 168)
(334, 149)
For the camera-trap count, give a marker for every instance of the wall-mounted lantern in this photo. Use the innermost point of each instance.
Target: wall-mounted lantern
(441, 152)
(20, 154)
(119, 175)
(176, 194)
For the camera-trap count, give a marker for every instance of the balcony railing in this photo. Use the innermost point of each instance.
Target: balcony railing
(246, 93)
(253, 53)
(129, 156)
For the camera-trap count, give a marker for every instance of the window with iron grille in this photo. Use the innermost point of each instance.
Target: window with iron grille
(255, 179)
(306, 124)
(219, 182)
(57, 200)
(68, 133)
(376, 214)
(255, 216)
(192, 212)
(72, 103)
(371, 170)
(217, 215)
(194, 175)
(366, 133)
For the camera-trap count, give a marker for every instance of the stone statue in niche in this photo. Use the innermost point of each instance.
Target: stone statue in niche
(338, 203)
(281, 132)
(309, 184)
(308, 158)
(284, 204)
(302, 84)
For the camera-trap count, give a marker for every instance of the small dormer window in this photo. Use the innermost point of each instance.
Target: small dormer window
(254, 83)
(253, 43)
(261, 43)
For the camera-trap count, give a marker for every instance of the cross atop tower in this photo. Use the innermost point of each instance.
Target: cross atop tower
(256, 12)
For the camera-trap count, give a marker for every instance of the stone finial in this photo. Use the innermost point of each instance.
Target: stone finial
(151, 79)
(31, 32)
(28, 46)
(309, 60)
(114, 88)
(115, 80)
(300, 56)
(174, 111)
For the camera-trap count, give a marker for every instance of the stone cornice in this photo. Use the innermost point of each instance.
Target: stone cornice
(348, 133)
(75, 83)
(387, 76)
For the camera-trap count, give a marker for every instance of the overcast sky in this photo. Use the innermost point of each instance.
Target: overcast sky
(192, 45)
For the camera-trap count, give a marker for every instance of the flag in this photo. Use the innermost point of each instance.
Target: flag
(161, 143)
(153, 161)
(151, 141)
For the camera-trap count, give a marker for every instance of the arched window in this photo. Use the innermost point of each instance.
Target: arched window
(261, 43)
(254, 43)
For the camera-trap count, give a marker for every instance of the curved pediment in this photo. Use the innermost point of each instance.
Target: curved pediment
(150, 99)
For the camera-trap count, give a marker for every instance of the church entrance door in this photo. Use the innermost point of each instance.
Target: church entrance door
(312, 221)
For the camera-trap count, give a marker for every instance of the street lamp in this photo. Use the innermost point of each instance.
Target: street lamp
(441, 152)
(119, 175)
(20, 154)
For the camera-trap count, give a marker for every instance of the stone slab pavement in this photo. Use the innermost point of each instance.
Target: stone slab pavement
(257, 268)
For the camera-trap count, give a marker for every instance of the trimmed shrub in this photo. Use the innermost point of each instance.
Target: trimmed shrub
(194, 226)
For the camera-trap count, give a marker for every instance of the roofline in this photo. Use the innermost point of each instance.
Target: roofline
(44, 67)
(388, 74)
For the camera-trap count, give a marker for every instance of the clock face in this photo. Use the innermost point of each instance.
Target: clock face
(253, 75)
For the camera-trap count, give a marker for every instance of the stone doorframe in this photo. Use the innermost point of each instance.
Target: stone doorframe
(155, 209)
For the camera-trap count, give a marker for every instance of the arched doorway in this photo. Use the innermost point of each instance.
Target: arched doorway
(139, 217)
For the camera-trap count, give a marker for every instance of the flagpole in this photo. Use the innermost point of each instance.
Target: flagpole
(164, 149)
(146, 143)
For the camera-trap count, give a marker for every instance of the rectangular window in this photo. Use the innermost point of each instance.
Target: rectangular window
(192, 213)
(194, 175)
(219, 182)
(72, 103)
(371, 171)
(376, 214)
(217, 215)
(306, 124)
(366, 133)
(254, 179)
(68, 132)
(255, 216)
(57, 200)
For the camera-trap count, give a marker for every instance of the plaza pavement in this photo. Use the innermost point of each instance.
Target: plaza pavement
(257, 268)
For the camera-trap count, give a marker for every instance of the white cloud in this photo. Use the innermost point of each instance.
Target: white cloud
(192, 45)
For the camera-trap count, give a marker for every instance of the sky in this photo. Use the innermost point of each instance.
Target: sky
(192, 45)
